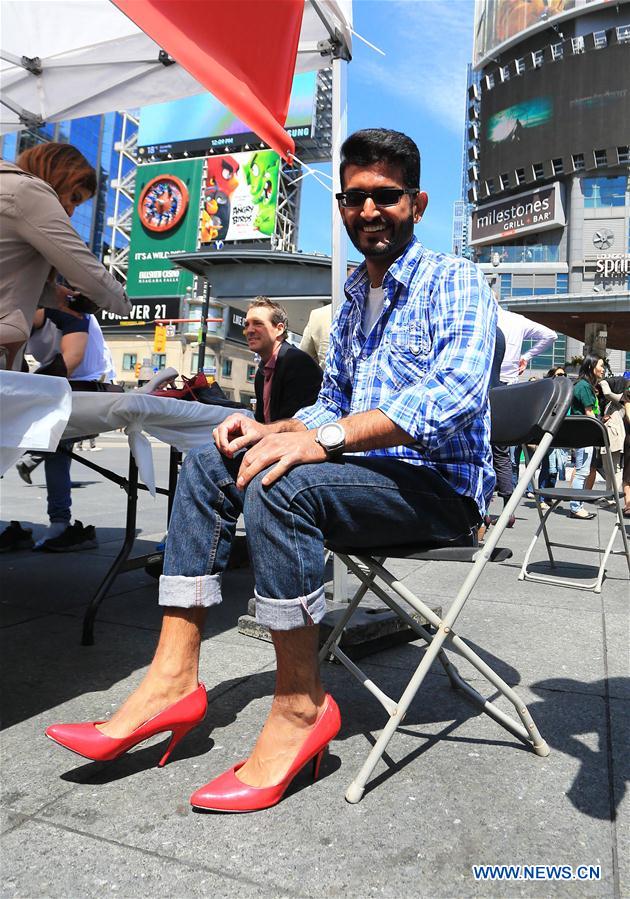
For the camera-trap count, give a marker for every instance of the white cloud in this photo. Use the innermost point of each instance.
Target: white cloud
(428, 45)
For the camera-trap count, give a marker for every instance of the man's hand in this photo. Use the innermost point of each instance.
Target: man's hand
(285, 449)
(61, 297)
(522, 365)
(237, 432)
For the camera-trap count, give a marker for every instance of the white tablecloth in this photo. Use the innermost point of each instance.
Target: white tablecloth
(37, 410)
(34, 411)
(179, 423)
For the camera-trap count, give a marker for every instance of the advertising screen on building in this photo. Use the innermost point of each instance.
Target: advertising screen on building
(240, 197)
(165, 221)
(572, 106)
(201, 122)
(499, 23)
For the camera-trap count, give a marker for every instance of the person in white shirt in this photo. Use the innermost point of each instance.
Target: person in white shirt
(516, 328)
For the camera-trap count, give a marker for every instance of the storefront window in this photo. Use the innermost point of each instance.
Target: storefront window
(129, 361)
(518, 253)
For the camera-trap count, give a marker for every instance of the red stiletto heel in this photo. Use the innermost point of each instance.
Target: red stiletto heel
(317, 762)
(176, 736)
(88, 741)
(227, 793)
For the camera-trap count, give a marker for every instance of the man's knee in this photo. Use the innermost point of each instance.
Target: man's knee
(204, 460)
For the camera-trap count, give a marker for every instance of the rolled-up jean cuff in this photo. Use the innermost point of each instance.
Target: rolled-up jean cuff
(289, 614)
(189, 592)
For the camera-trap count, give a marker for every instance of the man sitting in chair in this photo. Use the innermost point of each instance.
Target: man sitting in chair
(396, 448)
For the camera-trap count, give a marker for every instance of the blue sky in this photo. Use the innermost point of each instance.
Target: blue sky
(418, 87)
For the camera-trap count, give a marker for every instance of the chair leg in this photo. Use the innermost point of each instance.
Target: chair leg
(541, 529)
(357, 787)
(366, 577)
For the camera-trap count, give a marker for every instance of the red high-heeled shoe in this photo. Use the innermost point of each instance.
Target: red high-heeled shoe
(227, 793)
(179, 718)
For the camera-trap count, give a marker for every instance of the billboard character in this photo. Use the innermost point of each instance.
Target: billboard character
(261, 174)
(221, 182)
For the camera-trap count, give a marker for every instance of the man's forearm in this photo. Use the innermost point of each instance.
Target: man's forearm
(364, 431)
(372, 430)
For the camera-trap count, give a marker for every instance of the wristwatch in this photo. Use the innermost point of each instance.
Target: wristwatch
(332, 437)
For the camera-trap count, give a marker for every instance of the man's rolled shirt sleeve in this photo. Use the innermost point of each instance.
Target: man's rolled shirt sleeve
(454, 389)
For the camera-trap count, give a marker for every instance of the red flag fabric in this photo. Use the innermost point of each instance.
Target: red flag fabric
(242, 51)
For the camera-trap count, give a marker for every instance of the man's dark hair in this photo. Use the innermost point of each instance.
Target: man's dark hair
(374, 145)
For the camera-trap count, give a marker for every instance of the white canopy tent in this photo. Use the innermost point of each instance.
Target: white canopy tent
(62, 59)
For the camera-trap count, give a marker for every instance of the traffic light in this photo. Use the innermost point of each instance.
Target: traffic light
(138, 367)
(159, 339)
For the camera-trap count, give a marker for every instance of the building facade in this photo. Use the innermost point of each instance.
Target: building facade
(548, 174)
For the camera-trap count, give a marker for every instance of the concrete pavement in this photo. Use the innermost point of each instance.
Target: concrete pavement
(455, 790)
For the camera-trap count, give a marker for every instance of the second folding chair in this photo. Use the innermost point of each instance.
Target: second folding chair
(578, 431)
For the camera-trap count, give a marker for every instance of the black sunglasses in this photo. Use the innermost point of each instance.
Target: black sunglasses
(382, 196)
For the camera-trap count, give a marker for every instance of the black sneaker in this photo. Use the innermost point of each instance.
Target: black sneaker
(14, 536)
(75, 537)
(24, 472)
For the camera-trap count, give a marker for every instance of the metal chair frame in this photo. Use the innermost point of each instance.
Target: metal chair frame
(575, 432)
(543, 405)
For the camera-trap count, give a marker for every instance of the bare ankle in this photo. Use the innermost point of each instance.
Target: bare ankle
(300, 709)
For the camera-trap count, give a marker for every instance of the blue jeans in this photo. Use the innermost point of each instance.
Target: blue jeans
(583, 459)
(58, 483)
(358, 501)
(547, 477)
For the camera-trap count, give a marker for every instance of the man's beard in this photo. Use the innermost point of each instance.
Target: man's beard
(399, 236)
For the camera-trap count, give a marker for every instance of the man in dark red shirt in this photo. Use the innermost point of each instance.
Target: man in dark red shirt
(287, 378)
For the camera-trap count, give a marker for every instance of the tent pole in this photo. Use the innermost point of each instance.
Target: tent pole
(339, 246)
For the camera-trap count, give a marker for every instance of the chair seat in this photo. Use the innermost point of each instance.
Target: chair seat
(586, 496)
(422, 553)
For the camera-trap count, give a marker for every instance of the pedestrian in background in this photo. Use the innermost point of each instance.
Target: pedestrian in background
(585, 402)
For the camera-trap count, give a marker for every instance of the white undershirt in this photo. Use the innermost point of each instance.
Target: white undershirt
(373, 308)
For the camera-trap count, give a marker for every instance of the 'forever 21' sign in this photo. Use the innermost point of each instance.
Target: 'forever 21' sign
(142, 314)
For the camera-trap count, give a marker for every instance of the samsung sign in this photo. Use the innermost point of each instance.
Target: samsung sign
(538, 210)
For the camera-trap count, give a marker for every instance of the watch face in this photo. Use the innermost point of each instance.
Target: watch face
(163, 203)
(332, 435)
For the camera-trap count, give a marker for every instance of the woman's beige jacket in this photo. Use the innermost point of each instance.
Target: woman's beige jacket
(35, 236)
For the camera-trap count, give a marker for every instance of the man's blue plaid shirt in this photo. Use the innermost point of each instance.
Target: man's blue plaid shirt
(425, 364)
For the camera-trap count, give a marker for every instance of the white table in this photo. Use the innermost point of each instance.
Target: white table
(37, 411)
(179, 423)
(34, 411)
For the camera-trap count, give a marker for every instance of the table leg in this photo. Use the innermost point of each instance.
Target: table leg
(87, 638)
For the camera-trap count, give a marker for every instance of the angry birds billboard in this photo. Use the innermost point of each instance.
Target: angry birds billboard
(240, 197)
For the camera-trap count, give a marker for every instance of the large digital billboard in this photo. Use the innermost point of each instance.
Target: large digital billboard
(500, 23)
(165, 221)
(240, 197)
(201, 122)
(572, 106)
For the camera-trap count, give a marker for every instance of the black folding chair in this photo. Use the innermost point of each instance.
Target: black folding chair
(578, 431)
(521, 413)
